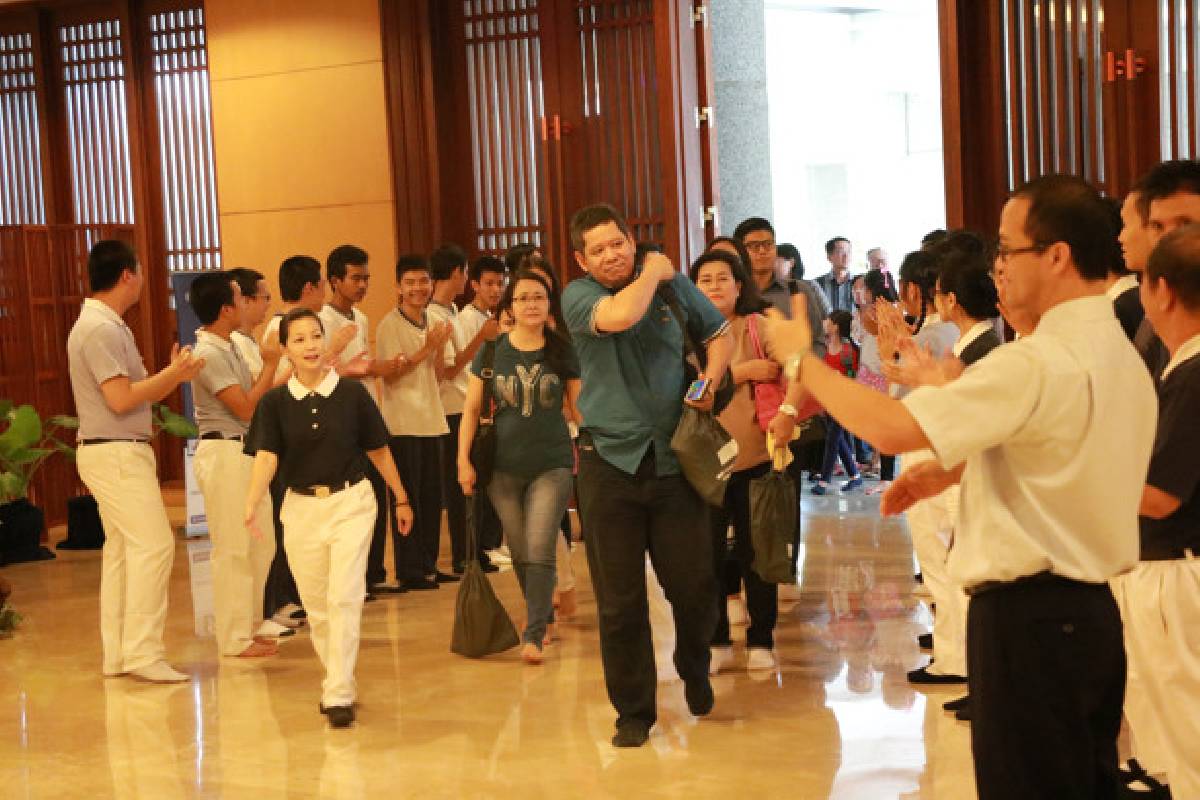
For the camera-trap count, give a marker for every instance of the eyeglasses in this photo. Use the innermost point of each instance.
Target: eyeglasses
(530, 299)
(761, 246)
(1004, 254)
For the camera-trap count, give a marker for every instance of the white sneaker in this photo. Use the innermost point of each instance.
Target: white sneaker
(274, 630)
(760, 658)
(719, 659)
(735, 607)
(159, 672)
(500, 556)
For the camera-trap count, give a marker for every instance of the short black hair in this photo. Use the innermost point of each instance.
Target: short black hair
(832, 243)
(209, 293)
(1068, 209)
(1176, 260)
(486, 264)
(844, 321)
(412, 262)
(445, 260)
(1166, 179)
(247, 280)
(593, 216)
(346, 255)
(742, 252)
(920, 268)
(749, 301)
(968, 276)
(295, 273)
(295, 315)
(107, 261)
(933, 237)
(751, 225)
(516, 256)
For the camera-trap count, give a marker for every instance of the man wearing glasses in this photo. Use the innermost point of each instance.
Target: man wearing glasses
(1050, 495)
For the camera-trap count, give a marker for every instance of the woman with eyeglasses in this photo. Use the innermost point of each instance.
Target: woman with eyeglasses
(533, 380)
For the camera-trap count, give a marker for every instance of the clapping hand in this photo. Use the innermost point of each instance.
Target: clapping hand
(893, 330)
(919, 367)
(184, 364)
(926, 479)
(271, 348)
(342, 338)
(490, 329)
(792, 337)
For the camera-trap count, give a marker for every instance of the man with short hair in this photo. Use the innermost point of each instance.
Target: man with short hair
(411, 402)
(1050, 489)
(256, 302)
(113, 394)
(225, 396)
(836, 284)
(1161, 604)
(758, 237)
(1168, 198)
(448, 266)
(1122, 285)
(631, 490)
(349, 277)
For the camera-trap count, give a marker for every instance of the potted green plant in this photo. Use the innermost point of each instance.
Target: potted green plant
(25, 444)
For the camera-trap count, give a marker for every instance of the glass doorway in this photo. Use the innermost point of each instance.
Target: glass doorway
(854, 96)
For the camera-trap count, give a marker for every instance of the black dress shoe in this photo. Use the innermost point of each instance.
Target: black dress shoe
(339, 716)
(925, 641)
(385, 588)
(963, 714)
(631, 734)
(924, 676)
(699, 695)
(299, 613)
(418, 585)
(443, 577)
(487, 566)
(369, 598)
(955, 705)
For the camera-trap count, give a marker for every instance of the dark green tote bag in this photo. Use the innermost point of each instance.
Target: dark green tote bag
(482, 626)
(773, 526)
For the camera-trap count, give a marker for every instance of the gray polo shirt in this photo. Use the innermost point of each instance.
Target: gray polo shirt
(223, 367)
(100, 348)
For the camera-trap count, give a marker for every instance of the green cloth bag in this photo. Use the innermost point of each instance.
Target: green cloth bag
(482, 626)
(773, 526)
(706, 453)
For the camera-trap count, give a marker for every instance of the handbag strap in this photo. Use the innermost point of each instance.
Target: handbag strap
(488, 374)
(667, 293)
(752, 326)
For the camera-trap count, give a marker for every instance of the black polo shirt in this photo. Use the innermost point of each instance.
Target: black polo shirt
(1174, 465)
(321, 435)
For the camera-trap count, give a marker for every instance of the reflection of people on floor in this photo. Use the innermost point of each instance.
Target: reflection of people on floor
(253, 750)
(142, 754)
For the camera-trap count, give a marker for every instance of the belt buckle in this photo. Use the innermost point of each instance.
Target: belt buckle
(322, 492)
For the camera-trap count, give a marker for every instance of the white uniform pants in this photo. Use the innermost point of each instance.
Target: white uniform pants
(240, 562)
(1160, 608)
(931, 524)
(139, 549)
(327, 541)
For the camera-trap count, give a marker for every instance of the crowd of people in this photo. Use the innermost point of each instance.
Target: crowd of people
(1051, 484)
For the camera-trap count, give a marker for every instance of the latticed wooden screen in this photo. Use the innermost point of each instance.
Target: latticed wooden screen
(22, 196)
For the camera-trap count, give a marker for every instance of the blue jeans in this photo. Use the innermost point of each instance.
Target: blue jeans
(530, 509)
(838, 442)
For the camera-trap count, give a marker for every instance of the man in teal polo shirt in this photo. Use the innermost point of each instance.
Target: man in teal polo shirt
(632, 494)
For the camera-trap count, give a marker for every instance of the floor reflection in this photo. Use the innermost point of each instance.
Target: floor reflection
(837, 719)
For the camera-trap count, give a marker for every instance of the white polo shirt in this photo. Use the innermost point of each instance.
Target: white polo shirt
(454, 391)
(411, 404)
(1056, 431)
(333, 321)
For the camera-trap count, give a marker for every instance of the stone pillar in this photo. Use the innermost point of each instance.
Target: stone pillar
(739, 63)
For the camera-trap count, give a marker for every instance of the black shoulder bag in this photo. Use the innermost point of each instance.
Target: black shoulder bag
(694, 356)
(483, 446)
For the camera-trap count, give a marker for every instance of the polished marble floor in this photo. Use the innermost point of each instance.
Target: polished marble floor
(837, 720)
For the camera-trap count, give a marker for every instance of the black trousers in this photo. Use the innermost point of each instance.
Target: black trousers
(418, 460)
(280, 589)
(762, 598)
(452, 496)
(625, 517)
(376, 572)
(1047, 681)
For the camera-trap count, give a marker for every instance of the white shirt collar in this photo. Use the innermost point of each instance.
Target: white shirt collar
(1190, 349)
(977, 330)
(210, 337)
(103, 308)
(1122, 285)
(324, 388)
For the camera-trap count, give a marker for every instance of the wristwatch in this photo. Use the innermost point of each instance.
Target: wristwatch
(789, 409)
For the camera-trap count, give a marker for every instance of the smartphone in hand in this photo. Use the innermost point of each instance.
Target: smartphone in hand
(697, 390)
